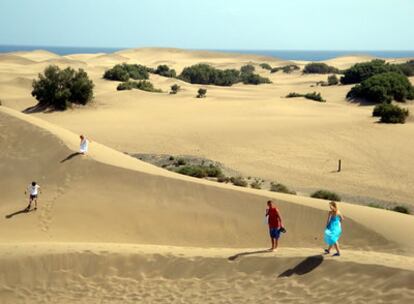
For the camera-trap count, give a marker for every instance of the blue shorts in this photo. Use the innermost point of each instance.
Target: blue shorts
(274, 233)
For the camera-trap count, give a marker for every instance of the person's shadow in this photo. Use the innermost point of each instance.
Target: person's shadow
(70, 156)
(9, 216)
(307, 265)
(236, 256)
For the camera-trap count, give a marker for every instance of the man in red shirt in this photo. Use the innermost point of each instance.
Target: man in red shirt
(275, 224)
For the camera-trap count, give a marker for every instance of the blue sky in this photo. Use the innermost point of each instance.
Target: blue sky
(212, 24)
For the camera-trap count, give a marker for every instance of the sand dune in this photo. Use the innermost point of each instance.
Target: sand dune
(113, 229)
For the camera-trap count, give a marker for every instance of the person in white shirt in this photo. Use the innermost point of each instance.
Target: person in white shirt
(34, 190)
(84, 145)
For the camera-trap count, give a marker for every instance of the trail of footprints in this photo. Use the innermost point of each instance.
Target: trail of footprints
(46, 206)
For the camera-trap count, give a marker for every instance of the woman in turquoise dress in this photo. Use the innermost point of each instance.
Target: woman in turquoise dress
(333, 229)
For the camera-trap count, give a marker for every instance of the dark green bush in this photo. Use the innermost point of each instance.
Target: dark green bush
(275, 187)
(143, 85)
(327, 195)
(206, 74)
(401, 209)
(247, 69)
(122, 72)
(333, 80)
(265, 66)
(201, 93)
(174, 89)
(319, 68)
(238, 181)
(286, 69)
(383, 88)
(312, 96)
(407, 68)
(57, 88)
(164, 70)
(201, 171)
(250, 78)
(390, 113)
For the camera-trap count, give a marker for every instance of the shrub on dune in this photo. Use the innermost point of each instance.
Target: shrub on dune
(201, 93)
(122, 72)
(276, 187)
(143, 85)
(238, 181)
(247, 69)
(327, 195)
(383, 87)
(250, 78)
(175, 88)
(319, 68)
(256, 184)
(201, 171)
(401, 209)
(332, 80)
(58, 88)
(265, 66)
(286, 69)
(312, 96)
(390, 113)
(164, 70)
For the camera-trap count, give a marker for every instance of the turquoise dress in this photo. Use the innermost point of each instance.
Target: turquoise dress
(333, 230)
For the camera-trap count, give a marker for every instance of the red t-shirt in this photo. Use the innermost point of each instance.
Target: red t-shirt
(273, 218)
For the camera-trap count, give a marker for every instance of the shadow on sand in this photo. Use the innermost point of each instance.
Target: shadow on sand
(70, 156)
(9, 216)
(307, 265)
(236, 256)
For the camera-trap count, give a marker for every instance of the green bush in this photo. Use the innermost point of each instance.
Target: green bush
(286, 69)
(265, 66)
(180, 162)
(362, 71)
(122, 72)
(247, 69)
(333, 80)
(143, 85)
(383, 88)
(58, 88)
(327, 195)
(164, 70)
(319, 68)
(238, 181)
(312, 96)
(250, 78)
(407, 68)
(401, 209)
(201, 171)
(206, 74)
(390, 113)
(175, 88)
(201, 93)
(256, 184)
(275, 187)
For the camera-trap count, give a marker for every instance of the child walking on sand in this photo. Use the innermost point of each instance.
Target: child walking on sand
(274, 221)
(34, 190)
(333, 229)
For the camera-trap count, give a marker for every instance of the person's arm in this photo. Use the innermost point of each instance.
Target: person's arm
(267, 212)
(329, 218)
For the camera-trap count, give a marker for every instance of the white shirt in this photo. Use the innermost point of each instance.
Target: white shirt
(84, 145)
(33, 190)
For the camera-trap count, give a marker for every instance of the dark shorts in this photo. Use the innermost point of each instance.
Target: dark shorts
(274, 233)
(33, 197)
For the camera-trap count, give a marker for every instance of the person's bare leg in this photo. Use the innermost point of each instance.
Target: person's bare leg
(273, 244)
(30, 204)
(337, 247)
(35, 200)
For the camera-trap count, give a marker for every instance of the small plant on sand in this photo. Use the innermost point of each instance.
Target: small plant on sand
(223, 179)
(175, 88)
(201, 171)
(319, 68)
(333, 80)
(256, 184)
(327, 195)
(142, 85)
(276, 187)
(238, 181)
(312, 96)
(266, 66)
(201, 93)
(390, 113)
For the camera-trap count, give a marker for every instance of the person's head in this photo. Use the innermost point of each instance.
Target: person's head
(82, 137)
(333, 206)
(33, 184)
(269, 203)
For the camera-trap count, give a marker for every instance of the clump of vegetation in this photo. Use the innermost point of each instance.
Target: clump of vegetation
(333, 80)
(143, 85)
(122, 72)
(238, 181)
(362, 71)
(383, 88)
(201, 93)
(247, 69)
(266, 66)
(390, 113)
(201, 171)
(276, 187)
(319, 68)
(327, 195)
(286, 69)
(206, 74)
(57, 88)
(312, 96)
(175, 88)
(180, 162)
(401, 209)
(164, 70)
(256, 184)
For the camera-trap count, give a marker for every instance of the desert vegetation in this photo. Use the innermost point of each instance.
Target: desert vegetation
(390, 113)
(312, 96)
(327, 195)
(142, 85)
(58, 89)
(319, 68)
(123, 72)
(277, 187)
(164, 70)
(286, 69)
(201, 93)
(175, 88)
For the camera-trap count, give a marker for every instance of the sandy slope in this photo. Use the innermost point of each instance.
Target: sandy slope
(204, 239)
(109, 198)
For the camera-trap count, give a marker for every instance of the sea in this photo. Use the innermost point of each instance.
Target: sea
(306, 55)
